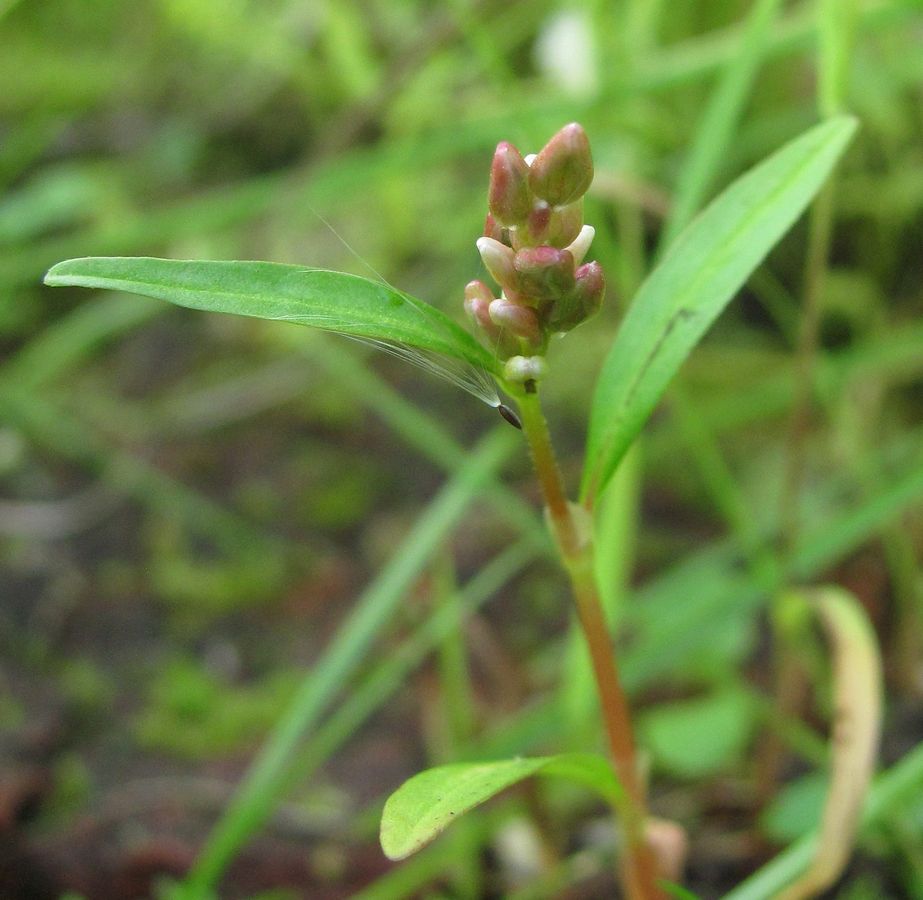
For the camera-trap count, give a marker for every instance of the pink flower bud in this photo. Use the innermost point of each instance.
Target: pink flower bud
(493, 229)
(554, 227)
(509, 198)
(545, 273)
(517, 319)
(478, 298)
(590, 287)
(563, 170)
(498, 258)
(582, 302)
(536, 227)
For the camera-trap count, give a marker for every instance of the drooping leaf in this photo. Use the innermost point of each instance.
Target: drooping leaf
(705, 267)
(425, 805)
(333, 301)
(856, 731)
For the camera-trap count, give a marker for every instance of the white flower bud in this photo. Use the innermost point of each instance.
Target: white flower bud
(581, 244)
(498, 258)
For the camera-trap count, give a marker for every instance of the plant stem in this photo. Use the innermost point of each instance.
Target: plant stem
(819, 238)
(638, 870)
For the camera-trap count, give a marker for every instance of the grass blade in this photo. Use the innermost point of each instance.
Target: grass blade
(258, 793)
(714, 131)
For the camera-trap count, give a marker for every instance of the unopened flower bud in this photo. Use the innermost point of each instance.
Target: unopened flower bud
(565, 224)
(498, 258)
(545, 273)
(563, 170)
(520, 369)
(534, 241)
(517, 319)
(555, 227)
(478, 298)
(536, 226)
(493, 229)
(509, 198)
(582, 302)
(581, 244)
(590, 286)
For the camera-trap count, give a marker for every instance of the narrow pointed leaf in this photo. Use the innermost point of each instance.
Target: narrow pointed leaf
(333, 301)
(705, 267)
(424, 806)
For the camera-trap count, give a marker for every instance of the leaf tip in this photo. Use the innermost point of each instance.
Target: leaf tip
(52, 276)
(850, 124)
(60, 273)
(393, 842)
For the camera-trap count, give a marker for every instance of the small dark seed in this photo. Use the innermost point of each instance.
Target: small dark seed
(510, 416)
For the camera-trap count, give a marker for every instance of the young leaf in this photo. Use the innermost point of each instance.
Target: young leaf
(422, 807)
(704, 268)
(333, 301)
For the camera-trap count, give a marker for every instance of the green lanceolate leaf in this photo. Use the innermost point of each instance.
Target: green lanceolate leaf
(705, 267)
(333, 301)
(425, 805)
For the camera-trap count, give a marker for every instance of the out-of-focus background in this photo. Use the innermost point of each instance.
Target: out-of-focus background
(192, 505)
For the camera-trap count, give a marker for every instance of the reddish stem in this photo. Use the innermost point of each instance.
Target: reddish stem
(638, 868)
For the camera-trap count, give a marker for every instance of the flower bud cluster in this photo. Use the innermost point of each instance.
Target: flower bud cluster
(533, 246)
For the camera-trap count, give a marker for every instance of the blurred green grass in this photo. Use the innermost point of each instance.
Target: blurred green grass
(208, 497)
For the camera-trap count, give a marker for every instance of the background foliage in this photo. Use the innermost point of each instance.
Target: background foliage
(198, 510)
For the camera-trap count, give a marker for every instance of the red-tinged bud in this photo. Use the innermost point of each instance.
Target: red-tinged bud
(590, 286)
(582, 302)
(509, 198)
(565, 224)
(545, 273)
(590, 289)
(549, 227)
(498, 258)
(478, 298)
(554, 227)
(536, 226)
(563, 170)
(493, 229)
(516, 319)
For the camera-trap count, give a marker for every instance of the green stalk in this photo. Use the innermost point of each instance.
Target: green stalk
(789, 683)
(573, 536)
(819, 238)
